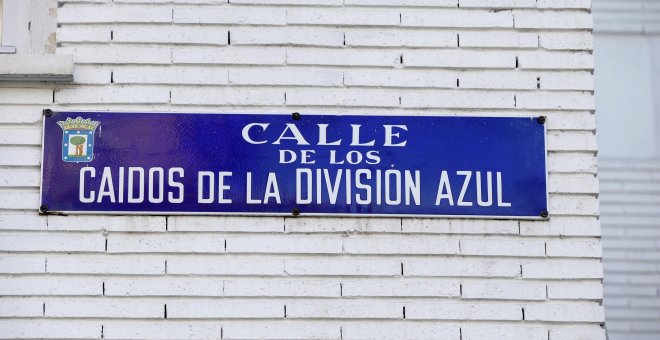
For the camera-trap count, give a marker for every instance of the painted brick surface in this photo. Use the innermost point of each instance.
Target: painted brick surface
(172, 277)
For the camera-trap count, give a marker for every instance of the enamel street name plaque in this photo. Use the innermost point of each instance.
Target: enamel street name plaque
(259, 164)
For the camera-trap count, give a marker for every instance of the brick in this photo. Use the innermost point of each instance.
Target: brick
(561, 4)
(160, 330)
(401, 78)
(95, 14)
(24, 156)
(562, 269)
(342, 57)
(503, 39)
(19, 200)
(22, 221)
(426, 245)
(285, 244)
(86, 74)
(575, 290)
(459, 59)
(504, 290)
(281, 288)
(338, 224)
(342, 17)
(229, 15)
(553, 19)
(104, 308)
(505, 80)
(281, 330)
(105, 264)
(26, 96)
(290, 2)
(165, 243)
(225, 223)
(400, 330)
(463, 311)
(562, 226)
(493, 332)
(198, 35)
(425, 3)
(22, 264)
(572, 162)
(20, 114)
(344, 309)
(493, 246)
(51, 286)
(342, 97)
(163, 286)
(285, 76)
(574, 248)
(461, 267)
(113, 94)
(109, 223)
(498, 3)
(99, 54)
(566, 41)
(225, 96)
(342, 267)
(225, 309)
(456, 18)
(400, 287)
(242, 55)
(40, 328)
(594, 332)
(225, 266)
(573, 205)
(573, 183)
(286, 36)
(565, 312)
(82, 33)
(459, 226)
(20, 308)
(553, 60)
(400, 38)
(567, 80)
(51, 241)
(556, 100)
(457, 99)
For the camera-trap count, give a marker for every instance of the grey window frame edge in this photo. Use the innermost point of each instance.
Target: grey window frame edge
(56, 68)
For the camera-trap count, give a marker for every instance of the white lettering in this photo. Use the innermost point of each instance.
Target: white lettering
(466, 183)
(489, 186)
(389, 134)
(246, 132)
(81, 187)
(200, 187)
(444, 190)
(296, 135)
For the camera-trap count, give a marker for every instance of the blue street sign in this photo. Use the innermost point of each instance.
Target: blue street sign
(251, 164)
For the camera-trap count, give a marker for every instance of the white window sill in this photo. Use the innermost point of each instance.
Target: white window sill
(36, 68)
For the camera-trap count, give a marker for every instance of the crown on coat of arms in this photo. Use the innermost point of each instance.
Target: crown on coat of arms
(78, 124)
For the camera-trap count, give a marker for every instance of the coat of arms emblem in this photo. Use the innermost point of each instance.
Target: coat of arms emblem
(78, 139)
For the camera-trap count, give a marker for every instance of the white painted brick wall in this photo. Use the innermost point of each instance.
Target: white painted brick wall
(173, 277)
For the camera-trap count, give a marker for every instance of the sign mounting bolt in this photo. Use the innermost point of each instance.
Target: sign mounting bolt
(43, 208)
(541, 120)
(544, 214)
(48, 112)
(295, 211)
(295, 116)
